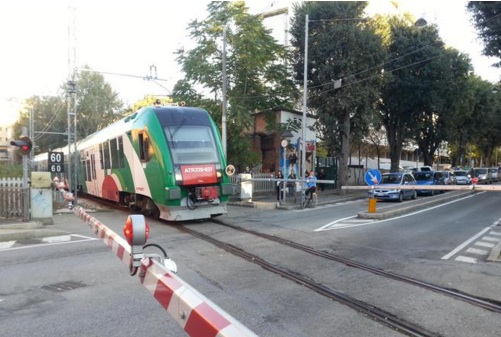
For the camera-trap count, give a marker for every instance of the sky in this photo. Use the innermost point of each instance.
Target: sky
(130, 37)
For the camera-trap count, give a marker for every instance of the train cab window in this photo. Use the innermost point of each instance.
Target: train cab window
(144, 147)
(191, 144)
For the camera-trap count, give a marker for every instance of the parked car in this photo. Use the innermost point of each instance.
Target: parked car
(463, 177)
(387, 189)
(429, 178)
(420, 168)
(483, 175)
(494, 173)
(449, 177)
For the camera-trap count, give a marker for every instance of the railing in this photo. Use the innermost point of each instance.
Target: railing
(264, 185)
(11, 197)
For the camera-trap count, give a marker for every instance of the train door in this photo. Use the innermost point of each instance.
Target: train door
(94, 181)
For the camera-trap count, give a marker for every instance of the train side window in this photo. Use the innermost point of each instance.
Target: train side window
(88, 170)
(101, 156)
(93, 165)
(121, 156)
(144, 147)
(106, 156)
(114, 153)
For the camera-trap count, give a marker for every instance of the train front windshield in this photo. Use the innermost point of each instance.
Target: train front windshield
(191, 144)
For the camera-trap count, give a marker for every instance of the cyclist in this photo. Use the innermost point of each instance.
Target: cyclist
(311, 184)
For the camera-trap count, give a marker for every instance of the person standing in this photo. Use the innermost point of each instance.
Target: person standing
(292, 159)
(279, 175)
(322, 176)
(291, 185)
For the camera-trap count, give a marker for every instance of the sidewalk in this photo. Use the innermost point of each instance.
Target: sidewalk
(269, 200)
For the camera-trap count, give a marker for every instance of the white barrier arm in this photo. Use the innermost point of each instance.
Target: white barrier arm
(473, 187)
(195, 313)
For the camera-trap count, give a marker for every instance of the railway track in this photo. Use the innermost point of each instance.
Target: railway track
(372, 311)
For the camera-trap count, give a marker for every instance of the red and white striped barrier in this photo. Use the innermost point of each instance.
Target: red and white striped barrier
(196, 314)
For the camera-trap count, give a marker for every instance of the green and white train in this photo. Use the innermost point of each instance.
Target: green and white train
(165, 161)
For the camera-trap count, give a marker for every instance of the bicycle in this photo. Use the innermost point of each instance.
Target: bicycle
(310, 200)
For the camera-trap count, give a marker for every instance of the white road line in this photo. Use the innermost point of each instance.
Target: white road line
(490, 238)
(477, 251)
(484, 244)
(87, 239)
(495, 233)
(60, 238)
(466, 259)
(464, 244)
(6, 244)
(330, 224)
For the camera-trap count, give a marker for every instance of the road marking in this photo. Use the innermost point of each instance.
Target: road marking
(338, 225)
(83, 239)
(464, 244)
(495, 233)
(6, 244)
(484, 244)
(477, 251)
(490, 238)
(60, 238)
(466, 259)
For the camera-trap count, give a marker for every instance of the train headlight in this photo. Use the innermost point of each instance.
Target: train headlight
(178, 175)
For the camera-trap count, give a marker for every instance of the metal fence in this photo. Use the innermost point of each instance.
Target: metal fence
(11, 197)
(260, 186)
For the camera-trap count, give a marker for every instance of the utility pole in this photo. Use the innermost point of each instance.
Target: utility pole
(72, 102)
(223, 122)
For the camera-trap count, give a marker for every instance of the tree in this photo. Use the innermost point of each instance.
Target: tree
(50, 122)
(343, 48)
(423, 84)
(97, 104)
(486, 19)
(256, 68)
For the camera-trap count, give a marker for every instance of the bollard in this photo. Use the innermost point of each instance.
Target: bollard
(372, 205)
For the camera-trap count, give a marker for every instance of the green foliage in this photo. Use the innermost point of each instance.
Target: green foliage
(342, 45)
(256, 70)
(11, 170)
(97, 104)
(486, 20)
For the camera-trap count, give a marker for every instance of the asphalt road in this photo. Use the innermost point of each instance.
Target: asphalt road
(80, 288)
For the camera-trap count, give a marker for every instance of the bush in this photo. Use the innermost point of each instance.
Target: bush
(11, 170)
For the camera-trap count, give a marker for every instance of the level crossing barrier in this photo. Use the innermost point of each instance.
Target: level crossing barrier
(473, 188)
(196, 314)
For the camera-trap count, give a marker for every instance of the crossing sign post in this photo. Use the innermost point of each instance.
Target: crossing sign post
(56, 162)
(372, 178)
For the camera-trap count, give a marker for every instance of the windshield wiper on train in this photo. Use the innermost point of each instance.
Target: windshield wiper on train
(173, 133)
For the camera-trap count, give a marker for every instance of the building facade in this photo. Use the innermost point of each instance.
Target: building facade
(269, 144)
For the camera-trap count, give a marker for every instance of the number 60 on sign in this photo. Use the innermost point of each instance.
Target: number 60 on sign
(56, 162)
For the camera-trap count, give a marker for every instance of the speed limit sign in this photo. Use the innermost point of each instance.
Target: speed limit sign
(56, 162)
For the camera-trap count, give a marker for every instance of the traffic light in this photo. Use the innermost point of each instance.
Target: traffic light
(24, 144)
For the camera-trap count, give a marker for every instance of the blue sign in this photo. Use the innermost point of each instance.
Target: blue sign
(372, 177)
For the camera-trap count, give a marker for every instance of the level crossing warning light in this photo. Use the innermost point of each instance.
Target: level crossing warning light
(136, 231)
(24, 143)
